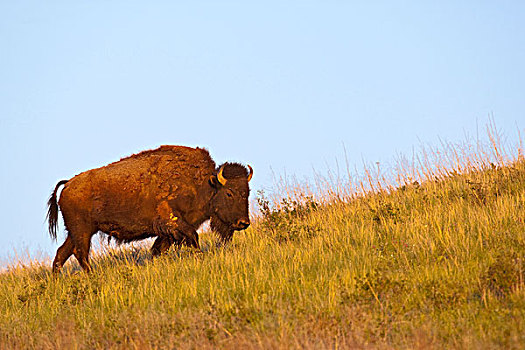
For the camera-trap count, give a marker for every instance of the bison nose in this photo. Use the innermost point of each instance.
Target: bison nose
(242, 224)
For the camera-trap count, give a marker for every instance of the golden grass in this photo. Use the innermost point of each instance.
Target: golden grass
(433, 260)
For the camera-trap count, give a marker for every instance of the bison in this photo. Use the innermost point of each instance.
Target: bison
(165, 193)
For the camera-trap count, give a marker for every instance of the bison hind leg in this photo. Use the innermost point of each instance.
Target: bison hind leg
(81, 234)
(63, 253)
(82, 252)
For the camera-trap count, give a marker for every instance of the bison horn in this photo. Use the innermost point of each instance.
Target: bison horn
(250, 174)
(221, 178)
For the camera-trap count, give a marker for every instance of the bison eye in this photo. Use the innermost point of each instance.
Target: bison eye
(229, 194)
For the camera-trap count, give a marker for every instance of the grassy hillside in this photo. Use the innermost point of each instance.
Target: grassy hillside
(436, 261)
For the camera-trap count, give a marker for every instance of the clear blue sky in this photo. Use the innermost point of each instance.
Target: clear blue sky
(281, 85)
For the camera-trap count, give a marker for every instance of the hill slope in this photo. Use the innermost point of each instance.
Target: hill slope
(433, 265)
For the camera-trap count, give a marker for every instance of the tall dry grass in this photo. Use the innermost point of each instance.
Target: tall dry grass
(430, 256)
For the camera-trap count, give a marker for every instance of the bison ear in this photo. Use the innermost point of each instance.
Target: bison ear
(214, 182)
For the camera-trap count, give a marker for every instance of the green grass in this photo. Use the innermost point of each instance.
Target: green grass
(432, 263)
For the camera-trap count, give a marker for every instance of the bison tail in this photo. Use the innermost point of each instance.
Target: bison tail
(52, 211)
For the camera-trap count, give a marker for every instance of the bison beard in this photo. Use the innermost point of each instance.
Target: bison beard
(165, 193)
(223, 229)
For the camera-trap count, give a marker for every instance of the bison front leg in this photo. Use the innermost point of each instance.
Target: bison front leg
(186, 233)
(171, 224)
(162, 244)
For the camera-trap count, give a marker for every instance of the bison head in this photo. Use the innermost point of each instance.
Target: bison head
(230, 202)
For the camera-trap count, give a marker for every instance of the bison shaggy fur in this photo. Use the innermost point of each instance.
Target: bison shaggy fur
(165, 193)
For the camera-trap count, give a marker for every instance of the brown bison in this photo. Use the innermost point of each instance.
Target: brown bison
(165, 193)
